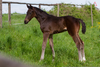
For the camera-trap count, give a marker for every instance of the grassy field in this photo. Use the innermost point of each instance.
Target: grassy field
(24, 42)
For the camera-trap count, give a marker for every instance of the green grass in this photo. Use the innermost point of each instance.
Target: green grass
(24, 42)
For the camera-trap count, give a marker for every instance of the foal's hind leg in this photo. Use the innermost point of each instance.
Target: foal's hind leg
(45, 37)
(82, 50)
(51, 45)
(79, 45)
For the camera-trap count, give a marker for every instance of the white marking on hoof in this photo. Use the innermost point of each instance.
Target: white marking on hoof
(84, 59)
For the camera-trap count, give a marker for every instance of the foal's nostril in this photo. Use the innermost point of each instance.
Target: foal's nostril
(25, 21)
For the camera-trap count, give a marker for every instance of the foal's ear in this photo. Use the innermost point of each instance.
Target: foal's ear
(29, 6)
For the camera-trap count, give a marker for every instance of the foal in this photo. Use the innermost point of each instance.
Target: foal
(50, 25)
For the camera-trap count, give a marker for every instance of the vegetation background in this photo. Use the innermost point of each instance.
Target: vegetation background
(24, 42)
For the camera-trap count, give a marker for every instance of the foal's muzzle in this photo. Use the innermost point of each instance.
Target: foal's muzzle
(25, 22)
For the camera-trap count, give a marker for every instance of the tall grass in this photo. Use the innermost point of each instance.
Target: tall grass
(24, 42)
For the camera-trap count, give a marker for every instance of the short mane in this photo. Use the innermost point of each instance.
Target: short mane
(41, 12)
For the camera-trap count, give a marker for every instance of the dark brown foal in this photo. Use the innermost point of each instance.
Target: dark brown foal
(50, 25)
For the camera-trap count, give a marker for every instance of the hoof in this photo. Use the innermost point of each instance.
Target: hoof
(40, 60)
(83, 60)
(53, 60)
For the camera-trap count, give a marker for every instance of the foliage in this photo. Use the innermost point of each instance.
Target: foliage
(80, 12)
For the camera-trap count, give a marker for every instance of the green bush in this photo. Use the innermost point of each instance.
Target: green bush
(83, 13)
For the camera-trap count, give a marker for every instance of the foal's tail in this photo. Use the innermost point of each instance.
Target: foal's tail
(83, 26)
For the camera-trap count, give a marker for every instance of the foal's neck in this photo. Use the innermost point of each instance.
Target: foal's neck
(40, 18)
(40, 15)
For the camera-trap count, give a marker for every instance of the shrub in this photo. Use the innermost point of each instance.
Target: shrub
(80, 12)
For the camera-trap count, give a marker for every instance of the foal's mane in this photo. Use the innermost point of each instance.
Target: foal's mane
(40, 12)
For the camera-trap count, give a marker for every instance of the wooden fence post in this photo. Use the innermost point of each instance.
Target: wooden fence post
(91, 15)
(40, 6)
(1, 13)
(74, 5)
(9, 13)
(58, 10)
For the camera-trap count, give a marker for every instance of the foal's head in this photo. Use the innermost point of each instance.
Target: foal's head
(30, 14)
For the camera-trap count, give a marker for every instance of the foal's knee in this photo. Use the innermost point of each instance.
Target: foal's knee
(43, 47)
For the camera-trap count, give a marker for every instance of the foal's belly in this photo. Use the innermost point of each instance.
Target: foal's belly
(61, 30)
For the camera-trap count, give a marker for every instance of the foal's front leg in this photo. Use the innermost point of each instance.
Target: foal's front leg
(45, 37)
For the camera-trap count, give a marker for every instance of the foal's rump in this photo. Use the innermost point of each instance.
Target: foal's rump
(73, 25)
